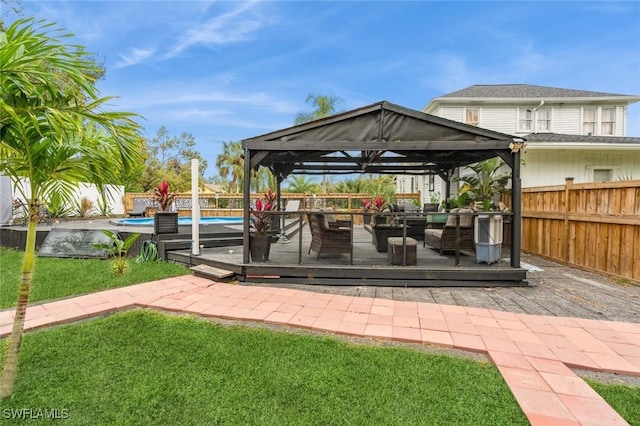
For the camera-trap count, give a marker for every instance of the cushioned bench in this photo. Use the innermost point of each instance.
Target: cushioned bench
(444, 240)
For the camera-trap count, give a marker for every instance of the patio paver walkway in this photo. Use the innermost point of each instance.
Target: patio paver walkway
(533, 353)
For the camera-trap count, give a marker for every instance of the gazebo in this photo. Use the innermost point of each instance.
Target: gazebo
(383, 138)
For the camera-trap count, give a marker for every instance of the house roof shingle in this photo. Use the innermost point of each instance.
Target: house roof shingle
(560, 137)
(525, 91)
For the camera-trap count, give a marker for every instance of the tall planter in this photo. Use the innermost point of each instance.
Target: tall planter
(380, 219)
(259, 247)
(165, 223)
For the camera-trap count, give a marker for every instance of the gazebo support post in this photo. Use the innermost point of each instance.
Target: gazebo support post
(246, 205)
(516, 207)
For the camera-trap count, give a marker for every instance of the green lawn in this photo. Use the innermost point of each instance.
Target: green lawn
(147, 368)
(55, 278)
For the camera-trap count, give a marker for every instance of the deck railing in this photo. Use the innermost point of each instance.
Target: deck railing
(232, 204)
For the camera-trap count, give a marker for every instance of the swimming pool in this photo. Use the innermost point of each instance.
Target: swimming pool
(148, 221)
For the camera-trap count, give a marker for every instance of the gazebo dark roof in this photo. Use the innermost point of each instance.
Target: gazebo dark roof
(379, 138)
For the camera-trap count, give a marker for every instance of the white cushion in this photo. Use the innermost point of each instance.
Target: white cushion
(466, 220)
(451, 220)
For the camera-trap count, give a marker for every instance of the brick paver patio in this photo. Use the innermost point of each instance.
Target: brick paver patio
(534, 354)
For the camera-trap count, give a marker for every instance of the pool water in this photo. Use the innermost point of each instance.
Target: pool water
(148, 221)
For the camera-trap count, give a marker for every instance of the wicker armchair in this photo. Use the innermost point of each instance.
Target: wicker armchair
(325, 240)
(444, 240)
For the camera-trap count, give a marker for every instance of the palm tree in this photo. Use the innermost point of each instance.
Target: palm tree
(230, 165)
(302, 184)
(324, 106)
(54, 134)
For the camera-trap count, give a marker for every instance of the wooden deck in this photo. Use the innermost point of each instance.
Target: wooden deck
(291, 263)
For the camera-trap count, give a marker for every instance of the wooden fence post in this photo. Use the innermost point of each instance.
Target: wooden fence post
(567, 184)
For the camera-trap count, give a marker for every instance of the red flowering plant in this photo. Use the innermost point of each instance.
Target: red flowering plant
(378, 204)
(164, 196)
(366, 205)
(261, 218)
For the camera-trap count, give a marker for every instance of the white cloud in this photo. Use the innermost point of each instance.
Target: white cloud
(135, 57)
(225, 28)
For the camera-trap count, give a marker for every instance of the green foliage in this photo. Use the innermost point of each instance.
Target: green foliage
(103, 207)
(58, 206)
(230, 164)
(262, 179)
(302, 184)
(323, 106)
(148, 253)
(57, 278)
(165, 157)
(487, 183)
(185, 370)
(118, 249)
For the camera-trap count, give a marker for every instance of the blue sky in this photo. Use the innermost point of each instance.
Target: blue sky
(229, 70)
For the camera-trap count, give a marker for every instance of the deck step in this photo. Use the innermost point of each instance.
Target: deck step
(204, 271)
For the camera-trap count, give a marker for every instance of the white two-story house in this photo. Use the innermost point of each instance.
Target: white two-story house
(569, 133)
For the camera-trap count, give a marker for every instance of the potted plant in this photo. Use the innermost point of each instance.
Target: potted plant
(379, 205)
(434, 203)
(261, 218)
(165, 221)
(366, 207)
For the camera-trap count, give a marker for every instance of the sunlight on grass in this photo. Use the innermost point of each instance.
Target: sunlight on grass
(55, 278)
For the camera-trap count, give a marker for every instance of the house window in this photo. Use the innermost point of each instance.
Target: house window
(471, 116)
(589, 121)
(543, 120)
(608, 121)
(602, 175)
(526, 120)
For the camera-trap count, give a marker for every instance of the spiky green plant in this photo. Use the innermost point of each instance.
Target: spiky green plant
(118, 249)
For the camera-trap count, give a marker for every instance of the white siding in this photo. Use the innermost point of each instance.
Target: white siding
(551, 167)
(566, 120)
(453, 113)
(620, 116)
(499, 119)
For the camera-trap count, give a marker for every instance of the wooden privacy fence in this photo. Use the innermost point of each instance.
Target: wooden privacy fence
(594, 226)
